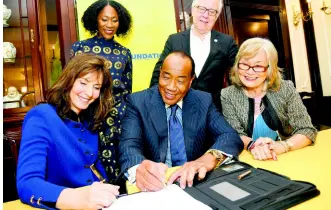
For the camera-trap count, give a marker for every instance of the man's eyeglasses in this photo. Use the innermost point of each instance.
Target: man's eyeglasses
(202, 10)
(246, 67)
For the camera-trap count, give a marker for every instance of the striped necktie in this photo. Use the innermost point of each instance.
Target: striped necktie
(176, 137)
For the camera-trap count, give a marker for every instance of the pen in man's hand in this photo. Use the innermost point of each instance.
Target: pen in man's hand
(163, 183)
(121, 195)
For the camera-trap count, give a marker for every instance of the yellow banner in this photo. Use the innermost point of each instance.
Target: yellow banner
(153, 22)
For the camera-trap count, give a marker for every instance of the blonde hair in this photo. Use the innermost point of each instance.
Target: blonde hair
(249, 49)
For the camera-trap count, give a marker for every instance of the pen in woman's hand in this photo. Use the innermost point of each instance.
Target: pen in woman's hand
(97, 173)
(103, 180)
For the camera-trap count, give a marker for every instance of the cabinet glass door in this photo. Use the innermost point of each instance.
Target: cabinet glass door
(18, 77)
(50, 44)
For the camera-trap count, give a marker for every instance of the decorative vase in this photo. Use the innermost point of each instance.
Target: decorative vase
(6, 15)
(9, 52)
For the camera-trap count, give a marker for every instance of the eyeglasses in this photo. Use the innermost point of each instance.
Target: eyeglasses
(246, 67)
(202, 10)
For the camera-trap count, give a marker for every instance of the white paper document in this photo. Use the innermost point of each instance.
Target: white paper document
(170, 198)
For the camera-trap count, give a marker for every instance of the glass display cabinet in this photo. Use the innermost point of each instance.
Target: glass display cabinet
(37, 36)
(21, 72)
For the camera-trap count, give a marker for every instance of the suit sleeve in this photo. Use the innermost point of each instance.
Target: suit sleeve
(226, 138)
(31, 169)
(156, 72)
(131, 141)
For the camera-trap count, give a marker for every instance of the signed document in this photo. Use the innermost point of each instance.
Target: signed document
(172, 197)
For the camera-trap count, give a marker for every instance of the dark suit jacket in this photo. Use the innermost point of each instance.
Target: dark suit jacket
(221, 58)
(145, 130)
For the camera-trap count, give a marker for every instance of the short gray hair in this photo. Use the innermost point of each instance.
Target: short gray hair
(219, 6)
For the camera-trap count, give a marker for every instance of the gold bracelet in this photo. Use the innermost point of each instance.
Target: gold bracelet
(284, 145)
(289, 145)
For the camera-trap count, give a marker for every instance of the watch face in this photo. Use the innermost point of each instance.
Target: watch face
(220, 156)
(216, 154)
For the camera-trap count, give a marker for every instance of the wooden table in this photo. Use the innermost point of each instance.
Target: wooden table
(312, 164)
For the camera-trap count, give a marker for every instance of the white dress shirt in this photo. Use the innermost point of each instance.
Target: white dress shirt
(200, 50)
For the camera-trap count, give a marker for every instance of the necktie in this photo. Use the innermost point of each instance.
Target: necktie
(176, 136)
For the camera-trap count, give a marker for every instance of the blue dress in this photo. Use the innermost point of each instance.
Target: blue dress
(55, 154)
(120, 61)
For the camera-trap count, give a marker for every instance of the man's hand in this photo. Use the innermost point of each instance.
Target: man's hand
(186, 173)
(150, 176)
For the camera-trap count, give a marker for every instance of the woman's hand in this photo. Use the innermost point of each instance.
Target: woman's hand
(266, 148)
(100, 195)
(96, 196)
(261, 149)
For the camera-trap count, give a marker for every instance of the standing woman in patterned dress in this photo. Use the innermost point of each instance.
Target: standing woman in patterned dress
(104, 19)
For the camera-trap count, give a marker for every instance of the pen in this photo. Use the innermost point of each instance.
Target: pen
(164, 184)
(121, 195)
(241, 176)
(100, 177)
(97, 173)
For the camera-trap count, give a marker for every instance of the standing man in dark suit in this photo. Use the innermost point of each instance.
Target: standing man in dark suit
(173, 125)
(213, 52)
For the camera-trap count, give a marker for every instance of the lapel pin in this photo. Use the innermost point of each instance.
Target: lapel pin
(215, 40)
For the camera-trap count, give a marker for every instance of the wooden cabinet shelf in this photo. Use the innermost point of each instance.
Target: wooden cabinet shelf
(13, 27)
(19, 58)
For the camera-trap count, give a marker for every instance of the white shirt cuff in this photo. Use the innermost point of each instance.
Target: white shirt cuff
(131, 174)
(227, 159)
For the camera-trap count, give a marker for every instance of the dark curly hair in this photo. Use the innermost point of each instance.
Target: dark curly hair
(90, 17)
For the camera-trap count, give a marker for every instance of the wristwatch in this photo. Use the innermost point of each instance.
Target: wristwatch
(218, 155)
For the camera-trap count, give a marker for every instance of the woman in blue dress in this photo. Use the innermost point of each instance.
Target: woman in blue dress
(104, 19)
(60, 141)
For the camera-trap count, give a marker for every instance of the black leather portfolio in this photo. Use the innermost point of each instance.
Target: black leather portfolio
(228, 188)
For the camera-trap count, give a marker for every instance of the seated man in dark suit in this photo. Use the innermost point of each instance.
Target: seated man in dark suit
(170, 125)
(213, 52)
